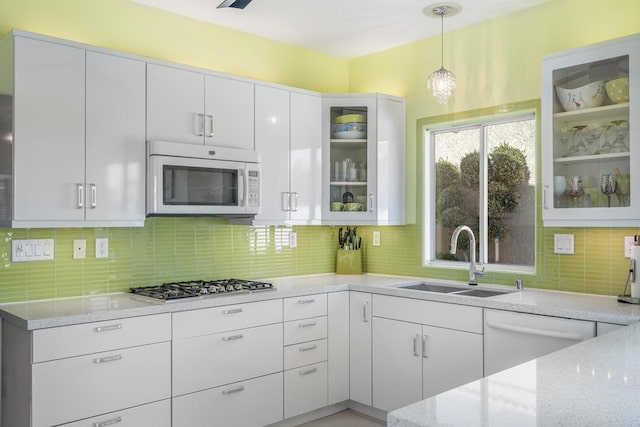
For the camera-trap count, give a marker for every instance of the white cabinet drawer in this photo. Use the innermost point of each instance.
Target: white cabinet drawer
(156, 414)
(87, 338)
(305, 354)
(79, 387)
(226, 318)
(305, 306)
(305, 389)
(213, 360)
(305, 330)
(452, 316)
(255, 402)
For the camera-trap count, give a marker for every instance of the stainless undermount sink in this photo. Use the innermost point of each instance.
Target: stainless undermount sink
(452, 290)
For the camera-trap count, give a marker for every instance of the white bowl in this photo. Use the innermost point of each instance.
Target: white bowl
(587, 96)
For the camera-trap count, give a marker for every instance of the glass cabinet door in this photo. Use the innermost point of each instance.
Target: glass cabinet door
(348, 160)
(589, 140)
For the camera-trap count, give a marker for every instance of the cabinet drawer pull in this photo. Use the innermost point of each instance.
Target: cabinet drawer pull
(308, 348)
(232, 311)
(424, 346)
(306, 301)
(307, 325)
(106, 423)
(308, 371)
(115, 358)
(233, 337)
(108, 328)
(415, 345)
(233, 390)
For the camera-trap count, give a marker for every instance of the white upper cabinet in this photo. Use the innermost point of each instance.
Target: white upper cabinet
(363, 172)
(78, 135)
(195, 108)
(288, 138)
(591, 135)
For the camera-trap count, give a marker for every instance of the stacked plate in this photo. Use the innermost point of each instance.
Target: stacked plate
(350, 126)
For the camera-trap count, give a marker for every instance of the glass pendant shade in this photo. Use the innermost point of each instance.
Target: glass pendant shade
(442, 82)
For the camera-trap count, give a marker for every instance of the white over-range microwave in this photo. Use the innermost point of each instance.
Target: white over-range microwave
(199, 180)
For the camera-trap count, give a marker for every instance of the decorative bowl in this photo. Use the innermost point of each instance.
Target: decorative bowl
(350, 118)
(618, 90)
(350, 130)
(587, 96)
(353, 207)
(337, 206)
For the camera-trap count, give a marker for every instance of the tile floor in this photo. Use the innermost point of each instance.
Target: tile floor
(346, 418)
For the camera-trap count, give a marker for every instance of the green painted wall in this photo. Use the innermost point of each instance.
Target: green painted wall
(497, 62)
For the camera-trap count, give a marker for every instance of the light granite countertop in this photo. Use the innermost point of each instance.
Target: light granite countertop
(68, 311)
(592, 383)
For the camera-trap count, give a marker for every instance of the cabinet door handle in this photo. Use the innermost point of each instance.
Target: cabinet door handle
(93, 196)
(306, 325)
(286, 205)
(198, 124)
(80, 193)
(106, 423)
(210, 134)
(107, 328)
(233, 337)
(233, 390)
(308, 371)
(114, 358)
(371, 200)
(306, 301)
(415, 345)
(233, 311)
(293, 202)
(365, 318)
(308, 348)
(424, 346)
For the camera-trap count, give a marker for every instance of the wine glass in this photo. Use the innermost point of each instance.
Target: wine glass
(579, 149)
(592, 190)
(621, 128)
(559, 187)
(576, 188)
(564, 136)
(608, 186)
(622, 188)
(592, 135)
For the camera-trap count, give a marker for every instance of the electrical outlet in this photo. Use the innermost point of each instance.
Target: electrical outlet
(102, 247)
(79, 249)
(628, 244)
(376, 238)
(293, 240)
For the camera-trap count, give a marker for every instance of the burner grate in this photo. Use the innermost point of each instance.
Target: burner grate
(199, 288)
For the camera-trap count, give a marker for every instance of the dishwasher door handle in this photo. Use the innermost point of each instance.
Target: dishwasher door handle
(534, 331)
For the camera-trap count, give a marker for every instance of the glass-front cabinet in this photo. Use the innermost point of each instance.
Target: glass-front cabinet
(363, 159)
(591, 135)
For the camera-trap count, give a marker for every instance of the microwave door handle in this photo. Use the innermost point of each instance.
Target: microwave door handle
(241, 188)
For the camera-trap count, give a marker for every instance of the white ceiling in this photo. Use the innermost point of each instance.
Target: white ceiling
(343, 28)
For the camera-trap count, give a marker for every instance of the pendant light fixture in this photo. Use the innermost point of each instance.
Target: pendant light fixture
(442, 81)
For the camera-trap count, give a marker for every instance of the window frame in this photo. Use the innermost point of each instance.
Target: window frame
(480, 121)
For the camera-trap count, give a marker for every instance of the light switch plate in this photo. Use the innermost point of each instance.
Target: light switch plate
(376, 238)
(23, 250)
(563, 244)
(293, 240)
(79, 249)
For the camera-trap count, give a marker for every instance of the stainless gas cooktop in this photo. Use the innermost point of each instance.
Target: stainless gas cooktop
(200, 288)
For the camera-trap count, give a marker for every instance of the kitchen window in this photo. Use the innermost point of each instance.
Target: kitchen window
(482, 174)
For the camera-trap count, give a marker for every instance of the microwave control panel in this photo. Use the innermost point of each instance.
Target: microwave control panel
(253, 189)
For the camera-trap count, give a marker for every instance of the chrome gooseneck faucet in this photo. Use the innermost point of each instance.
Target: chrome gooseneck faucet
(473, 271)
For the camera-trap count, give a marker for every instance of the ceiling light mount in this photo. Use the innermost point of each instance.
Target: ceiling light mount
(442, 81)
(236, 4)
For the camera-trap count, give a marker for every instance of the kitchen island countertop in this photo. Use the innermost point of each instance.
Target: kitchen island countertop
(41, 314)
(592, 383)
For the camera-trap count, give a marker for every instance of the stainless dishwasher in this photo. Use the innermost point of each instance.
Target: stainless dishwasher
(513, 338)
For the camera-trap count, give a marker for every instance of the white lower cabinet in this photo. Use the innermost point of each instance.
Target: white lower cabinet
(250, 403)
(360, 347)
(305, 389)
(413, 361)
(338, 351)
(156, 414)
(213, 360)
